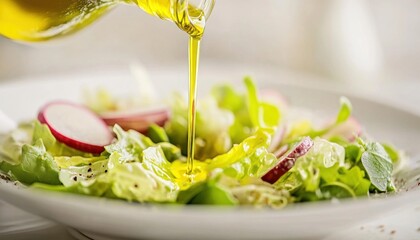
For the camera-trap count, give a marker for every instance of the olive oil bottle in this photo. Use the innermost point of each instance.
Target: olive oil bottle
(40, 20)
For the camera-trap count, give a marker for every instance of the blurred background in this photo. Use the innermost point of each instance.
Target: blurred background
(365, 44)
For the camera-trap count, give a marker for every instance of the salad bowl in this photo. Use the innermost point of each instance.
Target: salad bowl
(112, 219)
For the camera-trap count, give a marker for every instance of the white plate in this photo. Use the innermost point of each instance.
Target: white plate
(102, 217)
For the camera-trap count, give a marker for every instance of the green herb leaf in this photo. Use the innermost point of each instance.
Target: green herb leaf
(345, 110)
(378, 165)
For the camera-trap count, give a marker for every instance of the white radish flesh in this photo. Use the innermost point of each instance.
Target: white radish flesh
(76, 126)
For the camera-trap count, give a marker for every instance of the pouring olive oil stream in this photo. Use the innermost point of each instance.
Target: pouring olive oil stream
(40, 20)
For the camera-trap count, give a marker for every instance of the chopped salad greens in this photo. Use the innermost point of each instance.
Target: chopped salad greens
(247, 153)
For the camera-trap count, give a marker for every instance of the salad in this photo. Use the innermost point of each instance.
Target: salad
(248, 152)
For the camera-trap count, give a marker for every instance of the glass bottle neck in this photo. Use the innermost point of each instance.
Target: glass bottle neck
(189, 15)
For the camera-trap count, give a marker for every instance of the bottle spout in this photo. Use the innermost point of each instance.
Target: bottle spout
(191, 15)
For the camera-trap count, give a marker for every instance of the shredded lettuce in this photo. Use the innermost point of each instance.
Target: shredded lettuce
(249, 158)
(306, 128)
(249, 111)
(148, 180)
(143, 182)
(130, 145)
(322, 174)
(212, 128)
(234, 133)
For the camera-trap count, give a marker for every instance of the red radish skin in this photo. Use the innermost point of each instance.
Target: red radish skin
(138, 120)
(76, 126)
(287, 161)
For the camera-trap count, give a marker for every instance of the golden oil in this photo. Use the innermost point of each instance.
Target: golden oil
(38, 20)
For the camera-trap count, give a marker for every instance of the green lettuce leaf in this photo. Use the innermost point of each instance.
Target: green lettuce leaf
(171, 152)
(255, 192)
(11, 144)
(227, 98)
(66, 162)
(355, 178)
(325, 154)
(212, 128)
(99, 187)
(73, 174)
(340, 182)
(249, 158)
(157, 134)
(249, 111)
(329, 170)
(212, 133)
(318, 163)
(345, 111)
(130, 145)
(354, 153)
(206, 193)
(150, 181)
(262, 114)
(305, 128)
(226, 119)
(336, 190)
(317, 168)
(37, 165)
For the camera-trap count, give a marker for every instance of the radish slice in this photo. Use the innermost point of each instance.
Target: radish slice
(287, 161)
(137, 119)
(76, 126)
